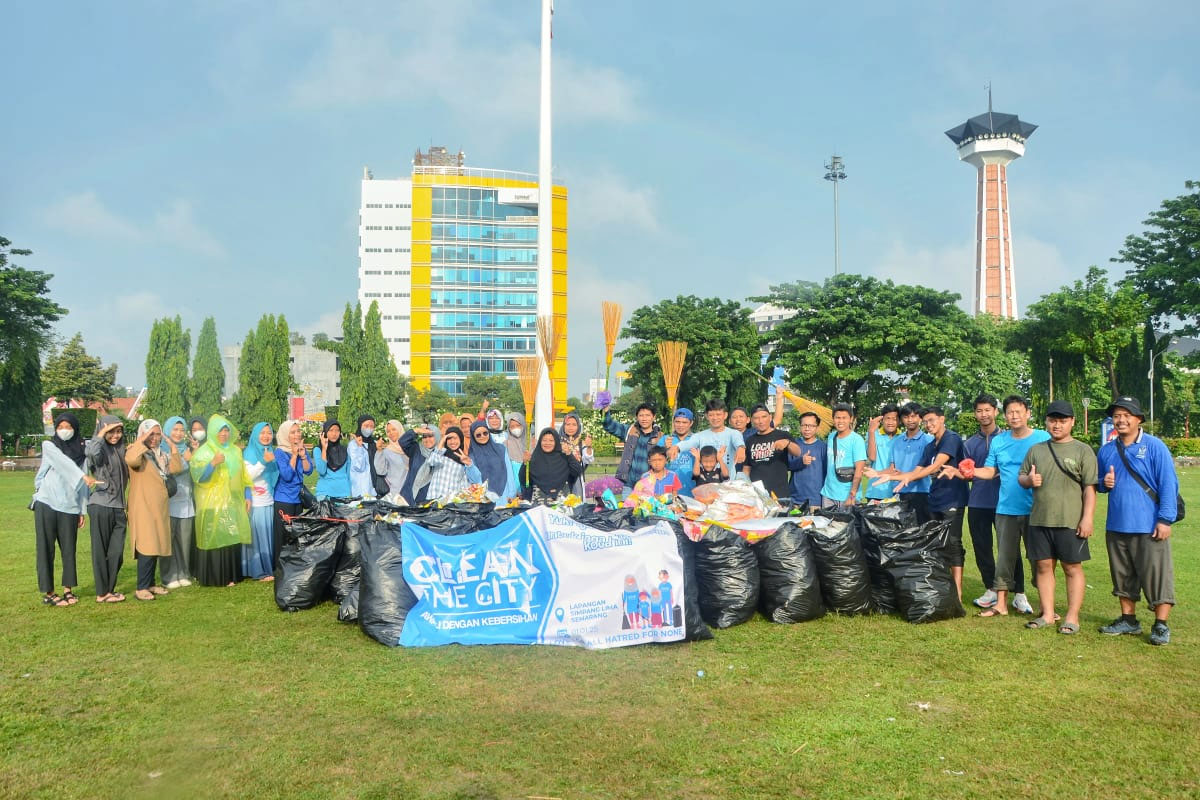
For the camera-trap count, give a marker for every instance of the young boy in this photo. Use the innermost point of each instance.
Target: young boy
(657, 481)
(709, 466)
(1062, 473)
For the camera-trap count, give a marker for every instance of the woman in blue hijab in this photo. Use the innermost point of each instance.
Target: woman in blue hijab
(263, 472)
(491, 458)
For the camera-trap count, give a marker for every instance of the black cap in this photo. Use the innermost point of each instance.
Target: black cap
(1060, 408)
(1128, 403)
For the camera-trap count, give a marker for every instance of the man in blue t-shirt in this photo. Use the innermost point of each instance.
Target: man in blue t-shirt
(1014, 502)
(679, 451)
(1138, 527)
(881, 431)
(846, 454)
(808, 468)
(718, 436)
(907, 450)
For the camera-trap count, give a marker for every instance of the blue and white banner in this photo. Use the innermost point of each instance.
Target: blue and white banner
(543, 578)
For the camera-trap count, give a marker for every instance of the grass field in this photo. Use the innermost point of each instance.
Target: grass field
(215, 693)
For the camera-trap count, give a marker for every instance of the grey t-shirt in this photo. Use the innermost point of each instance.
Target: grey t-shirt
(1058, 502)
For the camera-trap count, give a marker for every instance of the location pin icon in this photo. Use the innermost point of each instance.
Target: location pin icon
(558, 613)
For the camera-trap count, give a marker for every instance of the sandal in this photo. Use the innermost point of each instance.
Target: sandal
(144, 594)
(158, 590)
(111, 597)
(1038, 622)
(53, 599)
(70, 597)
(1068, 628)
(992, 612)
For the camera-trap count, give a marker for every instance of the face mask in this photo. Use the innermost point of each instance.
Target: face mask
(66, 434)
(368, 432)
(199, 436)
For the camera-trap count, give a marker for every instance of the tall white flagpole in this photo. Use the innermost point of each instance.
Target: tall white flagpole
(543, 415)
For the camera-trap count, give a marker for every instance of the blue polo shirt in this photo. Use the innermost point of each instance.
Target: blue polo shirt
(1006, 457)
(883, 460)
(1130, 509)
(946, 493)
(906, 456)
(984, 494)
(807, 480)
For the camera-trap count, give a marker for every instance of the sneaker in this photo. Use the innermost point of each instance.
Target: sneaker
(185, 582)
(1119, 627)
(1160, 633)
(174, 585)
(985, 600)
(1021, 603)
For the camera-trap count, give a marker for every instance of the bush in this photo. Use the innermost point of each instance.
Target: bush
(331, 412)
(87, 420)
(1183, 447)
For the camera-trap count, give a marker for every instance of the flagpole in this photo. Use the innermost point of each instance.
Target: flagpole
(543, 414)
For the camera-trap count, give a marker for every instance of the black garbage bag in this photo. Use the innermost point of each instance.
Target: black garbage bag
(607, 519)
(384, 598)
(348, 609)
(694, 626)
(925, 590)
(306, 562)
(789, 589)
(348, 508)
(501, 515)
(727, 578)
(841, 566)
(452, 520)
(875, 523)
(348, 568)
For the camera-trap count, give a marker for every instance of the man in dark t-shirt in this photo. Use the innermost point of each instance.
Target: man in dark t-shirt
(767, 451)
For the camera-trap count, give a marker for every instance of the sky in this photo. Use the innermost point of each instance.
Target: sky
(200, 159)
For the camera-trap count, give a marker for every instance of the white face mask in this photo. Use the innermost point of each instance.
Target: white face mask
(66, 434)
(368, 432)
(198, 436)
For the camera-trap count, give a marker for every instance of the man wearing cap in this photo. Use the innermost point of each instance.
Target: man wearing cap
(681, 461)
(1138, 473)
(1062, 474)
(907, 450)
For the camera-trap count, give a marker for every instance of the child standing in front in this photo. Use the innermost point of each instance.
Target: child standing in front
(657, 481)
(708, 465)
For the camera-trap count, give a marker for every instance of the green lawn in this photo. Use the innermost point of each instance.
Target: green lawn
(213, 693)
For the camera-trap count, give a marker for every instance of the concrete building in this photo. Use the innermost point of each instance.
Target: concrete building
(989, 142)
(316, 373)
(450, 255)
(766, 317)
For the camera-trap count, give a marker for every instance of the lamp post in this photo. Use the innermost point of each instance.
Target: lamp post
(1051, 379)
(835, 172)
(1153, 357)
(1087, 401)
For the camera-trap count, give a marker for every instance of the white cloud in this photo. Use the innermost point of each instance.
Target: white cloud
(85, 214)
(329, 323)
(177, 226)
(608, 201)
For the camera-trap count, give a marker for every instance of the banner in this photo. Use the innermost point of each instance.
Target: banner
(543, 578)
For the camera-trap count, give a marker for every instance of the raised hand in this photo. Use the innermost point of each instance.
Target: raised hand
(721, 453)
(218, 459)
(874, 424)
(268, 455)
(695, 454)
(1034, 477)
(1110, 477)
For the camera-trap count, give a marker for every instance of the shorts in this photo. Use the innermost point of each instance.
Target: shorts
(1137, 564)
(1061, 544)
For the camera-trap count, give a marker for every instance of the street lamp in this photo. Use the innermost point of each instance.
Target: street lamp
(1087, 402)
(1154, 357)
(835, 172)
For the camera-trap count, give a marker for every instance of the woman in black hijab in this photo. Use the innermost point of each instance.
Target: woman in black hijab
(333, 475)
(548, 472)
(59, 502)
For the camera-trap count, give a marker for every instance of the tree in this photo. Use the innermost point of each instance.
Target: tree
(26, 316)
(722, 354)
(499, 390)
(1087, 319)
(428, 403)
(349, 350)
(860, 340)
(382, 387)
(167, 370)
(264, 374)
(71, 373)
(1165, 260)
(208, 374)
(297, 338)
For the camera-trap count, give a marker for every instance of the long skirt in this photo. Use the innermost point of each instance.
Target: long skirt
(256, 556)
(218, 567)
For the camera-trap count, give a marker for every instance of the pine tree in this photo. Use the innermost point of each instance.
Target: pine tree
(280, 368)
(208, 375)
(167, 370)
(350, 365)
(383, 391)
(243, 404)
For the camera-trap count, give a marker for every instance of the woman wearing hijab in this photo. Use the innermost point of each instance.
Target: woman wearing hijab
(465, 421)
(149, 515)
(366, 429)
(579, 445)
(494, 418)
(106, 505)
(491, 459)
(391, 464)
(550, 472)
(222, 489)
(331, 460)
(418, 443)
(361, 469)
(449, 469)
(60, 496)
(176, 568)
(293, 463)
(263, 472)
(514, 443)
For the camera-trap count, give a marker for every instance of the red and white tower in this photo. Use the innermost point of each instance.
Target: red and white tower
(989, 142)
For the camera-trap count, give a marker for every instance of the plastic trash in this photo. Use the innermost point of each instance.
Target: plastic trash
(841, 566)
(306, 562)
(694, 626)
(875, 523)
(384, 598)
(925, 590)
(789, 589)
(727, 578)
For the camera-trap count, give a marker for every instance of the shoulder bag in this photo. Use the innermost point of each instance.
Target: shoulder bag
(1179, 509)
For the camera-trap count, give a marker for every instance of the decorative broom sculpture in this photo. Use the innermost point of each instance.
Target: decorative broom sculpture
(671, 356)
(550, 333)
(612, 329)
(529, 372)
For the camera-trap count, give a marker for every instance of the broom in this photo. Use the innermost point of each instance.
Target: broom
(671, 356)
(550, 333)
(529, 372)
(824, 414)
(612, 329)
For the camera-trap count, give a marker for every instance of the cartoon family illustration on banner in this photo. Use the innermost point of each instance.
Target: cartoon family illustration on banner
(649, 606)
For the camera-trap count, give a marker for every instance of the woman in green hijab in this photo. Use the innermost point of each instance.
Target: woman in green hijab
(222, 495)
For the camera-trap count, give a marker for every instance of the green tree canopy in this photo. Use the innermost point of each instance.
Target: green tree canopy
(71, 373)
(425, 405)
(26, 316)
(860, 340)
(383, 388)
(499, 390)
(1165, 260)
(167, 370)
(208, 374)
(264, 375)
(722, 354)
(353, 398)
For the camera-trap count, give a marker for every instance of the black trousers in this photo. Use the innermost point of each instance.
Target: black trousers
(52, 526)
(145, 570)
(980, 522)
(292, 510)
(108, 546)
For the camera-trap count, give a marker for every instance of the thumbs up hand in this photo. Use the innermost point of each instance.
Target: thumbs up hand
(1110, 477)
(1034, 477)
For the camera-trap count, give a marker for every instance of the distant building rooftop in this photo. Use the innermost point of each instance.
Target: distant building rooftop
(439, 157)
(991, 125)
